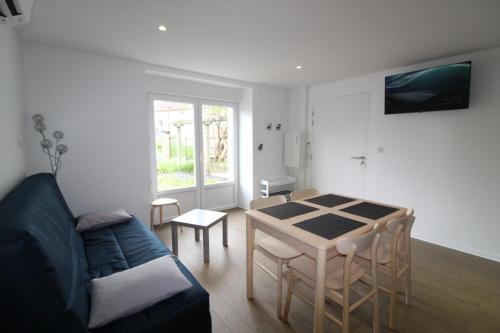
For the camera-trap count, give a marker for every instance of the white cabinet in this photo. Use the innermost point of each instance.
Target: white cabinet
(295, 149)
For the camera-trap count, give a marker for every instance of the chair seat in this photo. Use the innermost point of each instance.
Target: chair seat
(334, 271)
(383, 254)
(164, 202)
(277, 248)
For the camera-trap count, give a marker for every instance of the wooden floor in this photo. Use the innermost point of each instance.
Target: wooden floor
(452, 291)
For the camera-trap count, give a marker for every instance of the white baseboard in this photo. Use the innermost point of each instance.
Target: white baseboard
(226, 207)
(461, 248)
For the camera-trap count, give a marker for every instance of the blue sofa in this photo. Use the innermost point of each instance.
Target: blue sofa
(46, 266)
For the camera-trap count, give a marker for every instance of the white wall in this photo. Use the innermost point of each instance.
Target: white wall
(296, 121)
(444, 164)
(246, 149)
(162, 84)
(270, 106)
(101, 104)
(12, 168)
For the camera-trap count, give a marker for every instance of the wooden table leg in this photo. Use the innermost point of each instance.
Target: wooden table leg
(175, 246)
(206, 245)
(224, 231)
(161, 216)
(280, 288)
(152, 218)
(197, 234)
(319, 293)
(250, 241)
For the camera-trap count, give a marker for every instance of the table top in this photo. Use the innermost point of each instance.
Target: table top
(286, 226)
(164, 202)
(199, 218)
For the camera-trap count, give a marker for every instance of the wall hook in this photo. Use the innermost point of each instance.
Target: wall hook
(260, 147)
(278, 127)
(269, 126)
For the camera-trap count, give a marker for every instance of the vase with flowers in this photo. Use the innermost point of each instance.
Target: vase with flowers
(54, 152)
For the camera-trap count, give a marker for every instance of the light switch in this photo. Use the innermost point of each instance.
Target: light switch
(380, 149)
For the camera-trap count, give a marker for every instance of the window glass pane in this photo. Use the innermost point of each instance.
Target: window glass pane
(218, 143)
(174, 144)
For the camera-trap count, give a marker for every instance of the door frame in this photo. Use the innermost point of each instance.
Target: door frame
(198, 158)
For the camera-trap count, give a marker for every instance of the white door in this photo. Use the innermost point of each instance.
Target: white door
(218, 155)
(193, 152)
(339, 138)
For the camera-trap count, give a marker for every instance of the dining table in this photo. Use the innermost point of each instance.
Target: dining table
(313, 226)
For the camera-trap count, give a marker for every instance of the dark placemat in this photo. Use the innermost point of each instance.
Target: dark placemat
(369, 210)
(287, 210)
(330, 200)
(329, 226)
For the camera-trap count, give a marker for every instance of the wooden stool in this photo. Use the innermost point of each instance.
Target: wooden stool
(161, 202)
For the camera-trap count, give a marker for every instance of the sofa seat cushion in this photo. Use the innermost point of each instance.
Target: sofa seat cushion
(122, 246)
(119, 247)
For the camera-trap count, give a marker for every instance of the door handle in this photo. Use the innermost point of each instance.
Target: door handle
(358, 157)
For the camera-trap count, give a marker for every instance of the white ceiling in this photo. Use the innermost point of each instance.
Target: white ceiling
(262, 41)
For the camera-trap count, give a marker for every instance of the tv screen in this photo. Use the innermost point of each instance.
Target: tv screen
(437, 88)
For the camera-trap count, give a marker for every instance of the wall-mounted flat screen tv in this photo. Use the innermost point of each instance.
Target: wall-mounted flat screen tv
(433, 89)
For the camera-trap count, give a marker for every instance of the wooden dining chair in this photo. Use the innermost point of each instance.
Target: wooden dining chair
(342, 272)
(394, 259)
(274, 249)
(308, 193)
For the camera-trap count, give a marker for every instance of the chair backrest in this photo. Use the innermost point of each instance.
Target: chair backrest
(267, 202)
(411, 219)
(357, 243)
(299, 195)
(398, 233)
(404, 221)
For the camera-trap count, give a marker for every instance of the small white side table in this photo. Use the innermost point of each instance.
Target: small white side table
(200, 219)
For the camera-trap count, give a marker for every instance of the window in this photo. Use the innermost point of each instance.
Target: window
(194, 146)
(218, 134)
(174, 145)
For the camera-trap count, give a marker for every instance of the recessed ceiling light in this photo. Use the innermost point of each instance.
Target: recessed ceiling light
(298, 67)
(162, 28)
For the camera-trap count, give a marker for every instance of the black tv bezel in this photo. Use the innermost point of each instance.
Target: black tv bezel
(423, 69)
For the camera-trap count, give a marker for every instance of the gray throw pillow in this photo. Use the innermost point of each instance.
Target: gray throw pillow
(97, 220)
(130, 291)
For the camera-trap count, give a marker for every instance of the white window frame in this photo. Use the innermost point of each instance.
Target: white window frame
(200, 184)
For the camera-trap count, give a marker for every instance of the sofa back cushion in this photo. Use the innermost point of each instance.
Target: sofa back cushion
(44, 271)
